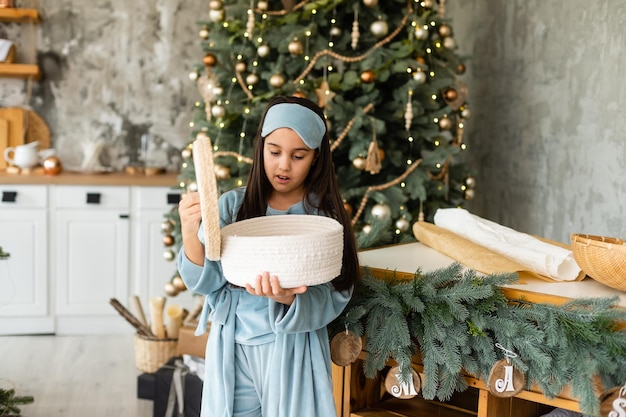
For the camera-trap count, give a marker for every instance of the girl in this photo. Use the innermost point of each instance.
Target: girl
(268, 352)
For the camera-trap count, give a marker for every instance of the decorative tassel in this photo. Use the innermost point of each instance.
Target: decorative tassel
(250, 23)
(408, 114)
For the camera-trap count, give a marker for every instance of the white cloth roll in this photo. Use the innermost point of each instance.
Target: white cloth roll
(543, 258)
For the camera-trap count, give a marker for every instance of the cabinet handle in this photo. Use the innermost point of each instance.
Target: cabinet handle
(173, 198)
(124, 216)
(93, 198)
(9, 196)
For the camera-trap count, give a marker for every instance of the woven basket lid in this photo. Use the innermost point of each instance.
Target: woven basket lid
(207, 188)
(298, 249)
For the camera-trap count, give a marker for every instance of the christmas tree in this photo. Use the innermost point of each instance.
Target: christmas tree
(386, 75)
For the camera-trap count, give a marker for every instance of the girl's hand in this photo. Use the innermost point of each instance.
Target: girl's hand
(190, 217)
(269, 287)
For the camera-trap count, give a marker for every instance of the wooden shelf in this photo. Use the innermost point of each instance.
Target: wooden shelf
(19, 70)
(11, 14)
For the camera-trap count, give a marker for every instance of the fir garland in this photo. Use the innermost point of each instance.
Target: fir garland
(452, 318)
(9, 403)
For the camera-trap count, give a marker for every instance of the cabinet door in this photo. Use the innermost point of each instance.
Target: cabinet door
(24, 275)
(91, 245)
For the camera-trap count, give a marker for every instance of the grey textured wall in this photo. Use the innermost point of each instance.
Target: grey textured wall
(548, 133)
(546, 79)
(114, 70)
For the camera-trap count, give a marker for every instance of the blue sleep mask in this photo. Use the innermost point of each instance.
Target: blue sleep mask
(302, 120)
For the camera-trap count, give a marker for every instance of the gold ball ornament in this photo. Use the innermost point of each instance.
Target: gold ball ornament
(445, 30)
(277, 80)
(445, 123)
(449, 42)
(169, 255)
(466, 113)
(209, 60)
(381, 211)
(179, 284)
(460, 69)
(367, 229)
(450, 94)
(216, 15)
(370, 3)
(186, 153)
(335, 31)
(203, 33)
(299, 93)
(241, 66)
(262, 5)
(470, 182)
(402, 224)
(168, 240)
(469, 194)
(222, 172)
(381, 154)
(421, 33)
(368, 76)
(263, 51)
(419, 76)
(359, 163)
(427, 4)
(170, 290)
(216, 5)
(52, 165)
(167, 227)
(252, 79)
(295, 47)
(379, 28)
(218, 111)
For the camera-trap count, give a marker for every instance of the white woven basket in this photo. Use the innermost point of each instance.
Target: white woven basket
(298, 249)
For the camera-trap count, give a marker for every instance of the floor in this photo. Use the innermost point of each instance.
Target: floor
(73, 376)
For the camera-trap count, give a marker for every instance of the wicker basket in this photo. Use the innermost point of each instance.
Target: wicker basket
(151, 354)
(602, 258)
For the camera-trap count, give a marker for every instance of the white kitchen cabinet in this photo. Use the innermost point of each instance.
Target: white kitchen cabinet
(91, 247)
(24, 278)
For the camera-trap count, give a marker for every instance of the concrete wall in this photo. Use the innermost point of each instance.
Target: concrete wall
(548, 133)
(547, 93)
(113, 70)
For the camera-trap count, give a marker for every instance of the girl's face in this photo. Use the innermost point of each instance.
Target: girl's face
(287, 162)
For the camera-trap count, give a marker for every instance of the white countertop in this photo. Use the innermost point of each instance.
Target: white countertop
(409, 257)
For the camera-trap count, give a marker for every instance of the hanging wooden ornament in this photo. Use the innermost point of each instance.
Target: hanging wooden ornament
(345, 348)
(356, 34)
(613, 402)
(372, 162)
(505, 380)
(403, 391)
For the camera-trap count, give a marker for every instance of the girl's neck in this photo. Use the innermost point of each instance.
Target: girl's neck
(280, 201)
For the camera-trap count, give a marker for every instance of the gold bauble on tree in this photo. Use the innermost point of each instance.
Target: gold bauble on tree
(359, 163)
(209, 60)
(168, 240)
(170, 290)
(370, 3)
(299, 93)
(296, 47)
(450, 94)
(379, 28)
(445, 123)
(252, 79)
(368, 76)
(445, 30)
(241, 66)
(277, 80)
(348, 208)
(460, 69)
(222, 172)
(179, 284)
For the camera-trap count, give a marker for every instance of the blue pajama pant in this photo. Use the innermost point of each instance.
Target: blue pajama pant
(251, 363)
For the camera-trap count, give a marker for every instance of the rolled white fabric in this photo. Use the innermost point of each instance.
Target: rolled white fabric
(543, 258)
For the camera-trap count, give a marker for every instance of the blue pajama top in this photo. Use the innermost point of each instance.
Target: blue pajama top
(300, 375)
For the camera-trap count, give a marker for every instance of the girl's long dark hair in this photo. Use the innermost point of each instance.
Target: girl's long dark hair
(321, 182)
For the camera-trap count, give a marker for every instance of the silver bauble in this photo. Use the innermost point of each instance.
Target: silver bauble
(263, 51)
(277, 80)
(403, 224)
(381, 211)
(218, 111)
(379, 28)
(252, 79)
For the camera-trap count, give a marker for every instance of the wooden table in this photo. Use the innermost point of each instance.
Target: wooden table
(357, 396)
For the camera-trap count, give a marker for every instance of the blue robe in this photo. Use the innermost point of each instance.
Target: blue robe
(297, 375)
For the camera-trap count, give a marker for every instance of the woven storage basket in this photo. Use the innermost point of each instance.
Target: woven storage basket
(151, 354)
(298, 249)
(602, 258)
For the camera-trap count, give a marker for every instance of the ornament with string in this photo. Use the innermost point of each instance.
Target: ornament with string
(506, 380)
(345, 348)
(396, 385)
(373, 162)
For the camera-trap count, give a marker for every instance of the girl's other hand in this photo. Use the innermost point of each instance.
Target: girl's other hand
(268, 286)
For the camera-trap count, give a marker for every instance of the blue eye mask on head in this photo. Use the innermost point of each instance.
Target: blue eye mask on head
(302, 120)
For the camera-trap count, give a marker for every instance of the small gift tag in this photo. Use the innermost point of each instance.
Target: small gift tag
(403, 391)
(345, 348)
(613, 402)
(504, 379)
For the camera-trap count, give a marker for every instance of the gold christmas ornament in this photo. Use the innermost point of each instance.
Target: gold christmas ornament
(359, 163)
(179, 284)
(335, 31)
(216, 5)
(368, 76)
(241, 66)
(167, 227)
(419, 76)
(299, 93)
(445, 30)
(450, 94)
(460, 69)
(262, 5)
(185, 153)
(204, 33)
(381, 211)
(263, 51)
(445, 123)
(402, 224)
(168, 240)
(421, 33)
(469, 194)
(379, 28)
(209, 60)
(370, 3)
(277, 80)
(252, 79)
(295, 47)
(170, 290)
(218, 111)
(169, 255)
(222, 172)
(52, 165)
(470, 182)
(348, 208)
(216, 15)
(449, 42)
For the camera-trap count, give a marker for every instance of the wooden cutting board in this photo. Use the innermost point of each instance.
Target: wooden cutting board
(15, 117)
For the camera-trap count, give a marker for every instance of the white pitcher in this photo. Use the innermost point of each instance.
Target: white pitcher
(23, 156)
